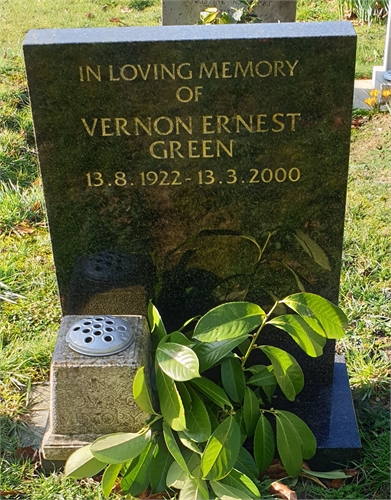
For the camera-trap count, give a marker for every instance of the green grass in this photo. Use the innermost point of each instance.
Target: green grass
(28, 327)
(370, 39)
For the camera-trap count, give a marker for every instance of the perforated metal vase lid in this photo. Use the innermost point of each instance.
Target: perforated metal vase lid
(100, 335)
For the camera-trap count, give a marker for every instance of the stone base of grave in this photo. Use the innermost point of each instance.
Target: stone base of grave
(329, 412)
(91, 396)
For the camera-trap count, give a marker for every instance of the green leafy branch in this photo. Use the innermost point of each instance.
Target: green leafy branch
(194, 440)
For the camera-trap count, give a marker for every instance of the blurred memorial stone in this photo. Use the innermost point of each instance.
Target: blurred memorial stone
(197, 166)
(188, 11)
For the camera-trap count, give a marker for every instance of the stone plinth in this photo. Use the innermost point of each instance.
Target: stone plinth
(91, 396)
(188, 11)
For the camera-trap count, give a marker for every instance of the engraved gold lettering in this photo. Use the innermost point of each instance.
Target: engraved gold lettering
(221, 146)
(278, 122)
(189, 74)
(225, 68)
(111, 75)
(90, 131)
(291, 68)
(175, 146)
(206, 146)
(268, 71)
(278, 65)
(120, 179)
(164, 69)
(165, 120)
(212, 69)
(232, 176)
(188, 127)
(132, 76)
(81, 76)
(120, 124)
(144, 75)
(192, 145)
(188, 94)
(162, 151)
(248, 126)
(206, 124)
(253, 179)
(222, 121)
(106, 124)
(147, 128)
(293, 120)
(261, 122)
(280, 175)
(249, 68)
(90, 71)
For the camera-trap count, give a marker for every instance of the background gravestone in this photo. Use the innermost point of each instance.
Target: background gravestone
(196, 167)
(188, 11)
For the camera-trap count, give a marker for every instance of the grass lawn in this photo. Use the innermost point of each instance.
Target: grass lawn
(28, 324)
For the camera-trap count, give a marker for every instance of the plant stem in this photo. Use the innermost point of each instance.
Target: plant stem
(256, 334)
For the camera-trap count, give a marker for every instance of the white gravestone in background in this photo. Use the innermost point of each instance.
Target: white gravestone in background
(381, 75)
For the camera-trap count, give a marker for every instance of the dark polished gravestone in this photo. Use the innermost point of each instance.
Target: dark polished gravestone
(196, 165)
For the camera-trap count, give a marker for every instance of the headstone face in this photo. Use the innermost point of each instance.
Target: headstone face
(92, 396)
(194, 166)
(187, 12)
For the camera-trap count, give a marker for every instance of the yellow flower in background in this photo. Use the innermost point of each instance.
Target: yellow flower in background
(386, 93)
(371, 101)
(374, 93)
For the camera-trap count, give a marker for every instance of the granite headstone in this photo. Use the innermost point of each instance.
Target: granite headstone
(195, 165)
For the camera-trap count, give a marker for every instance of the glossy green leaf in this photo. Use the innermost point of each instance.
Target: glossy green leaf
(194, 488)
(221, 450)
(197, 421)
(141, 391)
(211, 353)
(233, 380)
(263, 375)
(185, 396)
(120, 447)
(188, 443)
(334, 474)
(305, 435)
(213, 414)
(171, 405)
(158, 330)
(237, 479)
(173, 448)
(323, 316)
(288, 446)
(264, 444)
(82, 463)
(287, 371)
(245, 463)
(226, 492)
(177, 361)
(211, 390)
(311, 342)
(136, 478)
(313, 249)
(162, 460)
(228, 321)
(238, 416)
(176, 476)
(109, 477)
(250, 411)
(179, 338)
